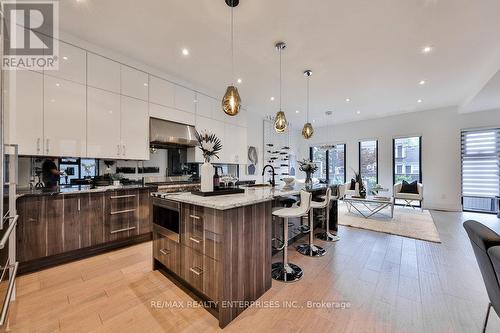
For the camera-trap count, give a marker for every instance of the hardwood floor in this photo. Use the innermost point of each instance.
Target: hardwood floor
(388, 284)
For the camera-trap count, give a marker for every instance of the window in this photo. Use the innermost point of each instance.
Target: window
(318, 155)
(368, 163)
(480, 169)
(330, 162)
(336, 164)
(76, 168)
(407, 159)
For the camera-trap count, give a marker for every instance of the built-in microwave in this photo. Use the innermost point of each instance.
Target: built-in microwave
(167, 218)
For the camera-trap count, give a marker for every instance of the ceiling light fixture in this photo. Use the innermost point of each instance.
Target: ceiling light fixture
(65, 58)
(419, 101)
(231, 102)
(427, 49)
(280, 122)
(358, 112)
(185, 52)
(297, 111)
(239, 81)
(307, 130)
(272, 98)
(347, 100)
(421, 82)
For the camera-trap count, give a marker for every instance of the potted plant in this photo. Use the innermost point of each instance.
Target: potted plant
(359, 180)
(210, 145)
(309, 167)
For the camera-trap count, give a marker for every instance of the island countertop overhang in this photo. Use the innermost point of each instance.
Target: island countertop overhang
(250, 197)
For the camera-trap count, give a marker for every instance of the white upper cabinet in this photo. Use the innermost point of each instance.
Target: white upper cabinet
(178, 116)
(184, 99)
(205, 106)
(103, 124)
(134, 83)
(25, 111)
(72, 64)
(103, 73)
(161, 91)
(134, 129)
(64, 118)
(235, 140)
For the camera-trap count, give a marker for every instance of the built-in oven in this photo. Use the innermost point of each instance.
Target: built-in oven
(167, 218)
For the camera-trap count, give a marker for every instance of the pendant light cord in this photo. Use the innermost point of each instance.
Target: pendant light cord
(232, 43)
(307, 116)
(280, 78)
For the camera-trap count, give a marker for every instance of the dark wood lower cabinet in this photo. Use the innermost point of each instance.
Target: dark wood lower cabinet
(58, 228)
(225, 256)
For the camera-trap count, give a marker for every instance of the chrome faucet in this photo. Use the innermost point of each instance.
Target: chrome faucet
(273, 183)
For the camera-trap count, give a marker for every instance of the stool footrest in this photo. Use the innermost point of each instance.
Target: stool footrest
(281, 244)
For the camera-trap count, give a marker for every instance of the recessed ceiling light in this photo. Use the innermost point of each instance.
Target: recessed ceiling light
(185, 52)
(427, 49)
(297, 111)
(65, 58)
(422, 82)
(347, 100)
(239, 80)
(358, 112)
(272, 98)
(58, 84)
(314, 121)
(145, 84)
(419, 101)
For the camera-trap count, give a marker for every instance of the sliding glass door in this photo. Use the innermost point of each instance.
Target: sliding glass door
(331, 163)
(368, 163)
(480, 169)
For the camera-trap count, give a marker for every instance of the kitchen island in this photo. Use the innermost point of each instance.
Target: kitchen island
(219, 248)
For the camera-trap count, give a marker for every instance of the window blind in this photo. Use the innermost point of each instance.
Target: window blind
(480, 163)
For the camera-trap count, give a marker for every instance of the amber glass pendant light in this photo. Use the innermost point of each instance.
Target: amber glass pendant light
(231, 102)
(280, 122)
(307, 130)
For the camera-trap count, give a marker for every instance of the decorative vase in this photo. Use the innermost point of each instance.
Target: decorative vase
(207, 177)
(308, 178)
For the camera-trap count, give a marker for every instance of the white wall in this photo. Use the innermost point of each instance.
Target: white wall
(255, 137)
(441, 162)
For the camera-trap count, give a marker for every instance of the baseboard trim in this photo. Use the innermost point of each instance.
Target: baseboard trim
(62, 258)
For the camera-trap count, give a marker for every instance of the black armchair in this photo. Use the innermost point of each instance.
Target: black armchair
(485, 240)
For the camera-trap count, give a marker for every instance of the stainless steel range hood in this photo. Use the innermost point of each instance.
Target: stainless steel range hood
(164, 133)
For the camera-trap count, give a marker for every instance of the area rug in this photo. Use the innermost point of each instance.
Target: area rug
(407, 222)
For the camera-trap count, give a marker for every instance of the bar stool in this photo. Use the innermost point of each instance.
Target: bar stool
(327, 235)
(285, 271)
(310, 249)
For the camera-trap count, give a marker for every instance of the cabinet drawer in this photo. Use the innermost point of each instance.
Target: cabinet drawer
(201, 272)
(123, 201)
(193, 227)
(167, 252)
(122, 225)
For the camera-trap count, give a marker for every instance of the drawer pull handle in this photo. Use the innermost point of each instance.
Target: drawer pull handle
(195, 217)
(121, 230)
(165, 252)
(196, 270)
(123, 196)
(123, 211)
(196, 240)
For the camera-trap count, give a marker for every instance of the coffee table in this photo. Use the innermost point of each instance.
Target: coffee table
(374, 205)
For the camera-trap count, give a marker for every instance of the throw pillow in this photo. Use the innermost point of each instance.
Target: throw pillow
(409, 187)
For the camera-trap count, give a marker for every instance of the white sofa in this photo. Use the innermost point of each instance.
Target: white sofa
(410, 197)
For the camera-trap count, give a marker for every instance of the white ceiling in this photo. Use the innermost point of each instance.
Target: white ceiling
(368, 51)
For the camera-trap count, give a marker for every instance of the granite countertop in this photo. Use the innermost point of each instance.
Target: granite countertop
(252, 195)
(77, 189)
